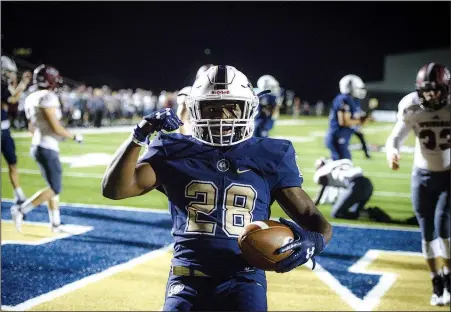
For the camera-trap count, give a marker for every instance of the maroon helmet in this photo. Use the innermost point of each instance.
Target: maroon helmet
(47, 77)
(433, 77)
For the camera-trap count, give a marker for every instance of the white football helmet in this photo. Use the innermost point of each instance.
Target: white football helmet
(353, 85)
(181, 96)
(219, 83)
(8, 67)
(268, 82)
(203, 69)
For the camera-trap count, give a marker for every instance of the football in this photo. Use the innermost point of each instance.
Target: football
(259, 241)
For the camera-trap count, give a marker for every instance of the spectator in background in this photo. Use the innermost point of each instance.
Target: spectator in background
(66, 102)
(319, 108)
(96, 106)
(21, 121)
(148, 104)
(296, 107)
(306, 108)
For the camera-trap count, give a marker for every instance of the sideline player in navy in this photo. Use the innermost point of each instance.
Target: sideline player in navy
(344, 116)
(10, 96)
(217, 181)
(268, 109)
(426, 111)
(43, 111)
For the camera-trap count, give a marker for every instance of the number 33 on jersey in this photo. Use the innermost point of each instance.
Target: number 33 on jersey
(432, 132)
(213, 193)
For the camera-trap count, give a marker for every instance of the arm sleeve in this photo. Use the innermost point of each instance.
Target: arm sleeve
(399, 132)
(342, 105)
(287, 172)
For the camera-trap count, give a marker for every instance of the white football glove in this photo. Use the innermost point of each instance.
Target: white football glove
(78, 138)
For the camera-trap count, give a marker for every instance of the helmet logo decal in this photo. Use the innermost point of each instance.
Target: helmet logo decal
(220, 91)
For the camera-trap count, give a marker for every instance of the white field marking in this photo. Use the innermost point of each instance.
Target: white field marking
(163, 211)
(387, 279)
(372, 299)
(343, 292)
(100, 176)
(296, 139)
(117, 129)
(68, 174)
(69, 230)
(87, 160)
(107, 207)
(87, 280)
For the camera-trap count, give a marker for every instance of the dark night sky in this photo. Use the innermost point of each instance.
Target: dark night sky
(307, 46)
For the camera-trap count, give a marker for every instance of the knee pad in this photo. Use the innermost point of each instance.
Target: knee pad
(431, 250)
(444, 247)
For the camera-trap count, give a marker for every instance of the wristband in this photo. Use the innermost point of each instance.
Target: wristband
(138, 142)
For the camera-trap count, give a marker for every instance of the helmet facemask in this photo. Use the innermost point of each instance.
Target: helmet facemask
(222, 106)
(217, 123)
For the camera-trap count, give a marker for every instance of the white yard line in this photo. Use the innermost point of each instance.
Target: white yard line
(100, 176)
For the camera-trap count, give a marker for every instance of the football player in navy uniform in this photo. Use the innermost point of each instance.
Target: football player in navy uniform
(426, 111)
(43, 111)
(217, 181)
(10, 96)
(344, 115)
(270, 102)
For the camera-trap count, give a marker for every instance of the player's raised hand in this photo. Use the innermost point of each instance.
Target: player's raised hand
(305, 246)
(164, 119)
(393, 161)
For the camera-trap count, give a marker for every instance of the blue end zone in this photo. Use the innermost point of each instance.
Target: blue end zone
(119, 236)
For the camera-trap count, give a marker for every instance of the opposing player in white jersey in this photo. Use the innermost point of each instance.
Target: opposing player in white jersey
(427, 112)
(355, 188)
(43, 111)
(182, 109)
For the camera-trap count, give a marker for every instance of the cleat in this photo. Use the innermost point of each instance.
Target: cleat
(437, 291)
(17, 216)
(446, 290)
(60, 228)
(20, 202)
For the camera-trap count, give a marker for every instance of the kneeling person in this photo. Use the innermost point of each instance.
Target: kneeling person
(343, 174)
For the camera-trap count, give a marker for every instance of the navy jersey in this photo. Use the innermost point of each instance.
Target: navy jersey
(266, 107)
(5, 95)
(263, 120)
(344, 103)
(214, 192)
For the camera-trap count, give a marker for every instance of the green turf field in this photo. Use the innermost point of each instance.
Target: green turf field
(81, 183)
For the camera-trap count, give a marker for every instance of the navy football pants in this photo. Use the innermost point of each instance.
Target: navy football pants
(430, 200)
(338, 147)
(244, 292)
(350, 203)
